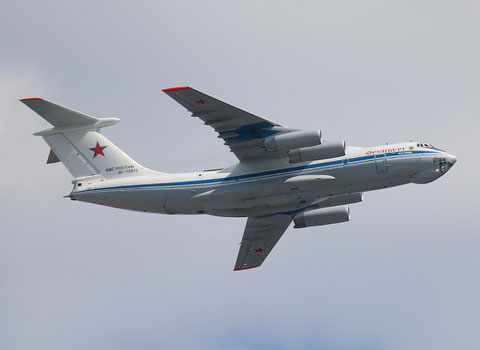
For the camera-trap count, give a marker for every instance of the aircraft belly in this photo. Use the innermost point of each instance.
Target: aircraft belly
(137, 200)
(260, 197)
(182, 205)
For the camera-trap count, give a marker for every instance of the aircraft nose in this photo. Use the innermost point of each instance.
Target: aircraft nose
(451, 159)
(445, 163)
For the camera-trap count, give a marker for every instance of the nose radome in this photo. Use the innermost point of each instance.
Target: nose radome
(451, 159)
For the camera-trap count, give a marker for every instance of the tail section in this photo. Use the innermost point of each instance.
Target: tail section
(75, 140)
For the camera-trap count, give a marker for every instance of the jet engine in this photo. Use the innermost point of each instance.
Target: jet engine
(322, 151)
(296, 139)
(324, 216)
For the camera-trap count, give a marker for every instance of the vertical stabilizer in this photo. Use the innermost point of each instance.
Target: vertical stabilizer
(75, 140)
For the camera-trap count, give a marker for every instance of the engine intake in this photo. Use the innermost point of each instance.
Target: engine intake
(296, 139)
(324, 151)
(324, 216)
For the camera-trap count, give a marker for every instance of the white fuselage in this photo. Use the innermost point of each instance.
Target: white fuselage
(252, 189)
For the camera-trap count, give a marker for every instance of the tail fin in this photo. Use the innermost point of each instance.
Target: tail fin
(75, 140)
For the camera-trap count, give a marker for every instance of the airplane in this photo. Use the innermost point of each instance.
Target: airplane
(283, 174)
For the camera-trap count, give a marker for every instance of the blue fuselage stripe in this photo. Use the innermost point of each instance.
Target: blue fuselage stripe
(264, 173)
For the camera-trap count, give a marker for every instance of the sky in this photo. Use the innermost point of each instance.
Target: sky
(403, 274)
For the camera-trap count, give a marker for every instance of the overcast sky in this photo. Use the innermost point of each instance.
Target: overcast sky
(403, 274)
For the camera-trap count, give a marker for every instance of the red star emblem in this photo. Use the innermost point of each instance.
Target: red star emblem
(198, 102)
(259, 250)
(98, 150)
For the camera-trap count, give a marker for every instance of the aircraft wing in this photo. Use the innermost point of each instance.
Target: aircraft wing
(242, 131)
(260, 236)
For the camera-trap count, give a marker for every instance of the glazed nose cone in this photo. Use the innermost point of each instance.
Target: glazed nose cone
(451, 159)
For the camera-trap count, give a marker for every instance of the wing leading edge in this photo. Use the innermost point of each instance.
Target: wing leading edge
(242, 131)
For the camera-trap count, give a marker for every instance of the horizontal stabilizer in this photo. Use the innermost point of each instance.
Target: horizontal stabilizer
(57, 115)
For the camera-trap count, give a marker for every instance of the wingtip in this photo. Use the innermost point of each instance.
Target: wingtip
(31, 98)
(245, 268)
(176, 88)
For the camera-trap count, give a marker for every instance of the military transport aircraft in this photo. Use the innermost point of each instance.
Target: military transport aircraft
(283, 174)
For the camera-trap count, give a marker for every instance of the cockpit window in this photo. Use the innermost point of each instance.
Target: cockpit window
(428, 145)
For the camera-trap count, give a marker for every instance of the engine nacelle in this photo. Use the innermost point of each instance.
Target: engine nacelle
(296, 139)
(324, 216)
(324, 151)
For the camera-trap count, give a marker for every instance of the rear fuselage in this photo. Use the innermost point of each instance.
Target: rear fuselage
(248, 189)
